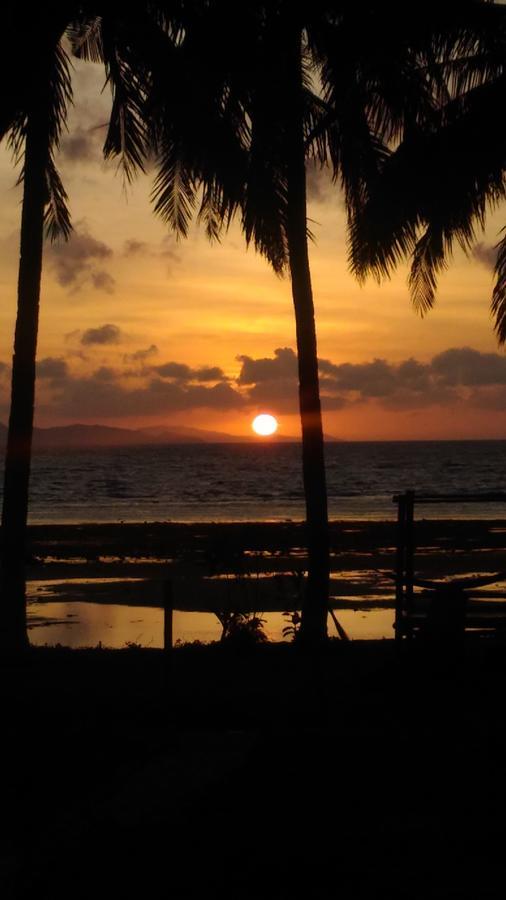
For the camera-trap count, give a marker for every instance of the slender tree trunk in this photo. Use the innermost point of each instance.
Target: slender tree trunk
(13, 635)
(315, 604)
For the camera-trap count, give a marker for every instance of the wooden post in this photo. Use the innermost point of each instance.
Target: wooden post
(410, 560)
(399, 567)
(168, 603)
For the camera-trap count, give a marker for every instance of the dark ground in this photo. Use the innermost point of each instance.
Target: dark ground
(360, 774)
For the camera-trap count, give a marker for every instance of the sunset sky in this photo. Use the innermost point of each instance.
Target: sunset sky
(137, 329)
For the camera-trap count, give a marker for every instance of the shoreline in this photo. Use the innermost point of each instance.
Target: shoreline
(254, 564)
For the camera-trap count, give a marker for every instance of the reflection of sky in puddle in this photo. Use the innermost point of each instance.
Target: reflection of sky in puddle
(86, 624)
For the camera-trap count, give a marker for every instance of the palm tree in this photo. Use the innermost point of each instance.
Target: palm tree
(32, 116)
(336, 81)
(461, 172)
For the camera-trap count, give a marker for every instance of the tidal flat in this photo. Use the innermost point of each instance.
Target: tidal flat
(107, 583)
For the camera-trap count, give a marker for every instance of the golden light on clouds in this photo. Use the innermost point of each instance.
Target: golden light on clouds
(138, 329)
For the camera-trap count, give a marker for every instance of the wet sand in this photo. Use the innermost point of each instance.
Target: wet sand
(248, 565)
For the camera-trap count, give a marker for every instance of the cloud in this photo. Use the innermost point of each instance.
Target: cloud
(4, 369)
(180, 371)
(374, 379)
(173, 370)
(82, 145)
(271, 381)
(53, 368)
(105, 334)
(317, 182)
(135, 248)
(455, 376)
(102, 395)
(209, 373)
(486, 254)
(74, 262)
(465, 366)
(462, 377)
(141, 356)
(166, 249)
(283, 365)
(102, 281)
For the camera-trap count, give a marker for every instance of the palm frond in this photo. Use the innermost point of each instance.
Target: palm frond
(85, 37)
(445, 179)
(217, 207)
(126, 138)
(60, 84)
(56, 215)
(498, 306)
(429, 259)
(174, 191)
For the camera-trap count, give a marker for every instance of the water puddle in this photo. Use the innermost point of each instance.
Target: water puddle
(78, 624)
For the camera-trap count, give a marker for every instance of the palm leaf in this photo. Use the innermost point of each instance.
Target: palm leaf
(56, 215)
(174, 191)
(428, 259)
(498, 306)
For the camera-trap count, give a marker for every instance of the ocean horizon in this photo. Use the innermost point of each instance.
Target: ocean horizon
(259, 482)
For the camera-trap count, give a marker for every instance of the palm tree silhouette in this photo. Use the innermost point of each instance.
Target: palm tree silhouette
(32, 117)
(341, 83)
(460, 165)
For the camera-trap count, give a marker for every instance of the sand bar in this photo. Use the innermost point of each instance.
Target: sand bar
(256, 564)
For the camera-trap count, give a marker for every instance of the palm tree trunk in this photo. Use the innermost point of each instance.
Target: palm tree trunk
(315, 604)
(13, 635)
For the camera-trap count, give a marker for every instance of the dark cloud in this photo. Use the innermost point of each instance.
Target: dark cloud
(135, 248)
(448, 379)
(254, 371)
(180, 371)
(105, 334)
(102, 395)
(4, 368)
(74, 262)
(493, 398)
(102, 281)
(83, 145)
(53, 368)
(166, 249)
(209, 373)
(141, 356)
(413, 374)
(486, 254)
(374, 379)
(317, 182)
(106, 374)
(465, 366)
(72, 335)
(458, 377)
(278, 396)
(173, 370)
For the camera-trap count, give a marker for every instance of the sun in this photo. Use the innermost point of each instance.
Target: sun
(264, 425)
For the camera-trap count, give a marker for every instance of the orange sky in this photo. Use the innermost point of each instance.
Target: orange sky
(137, 329)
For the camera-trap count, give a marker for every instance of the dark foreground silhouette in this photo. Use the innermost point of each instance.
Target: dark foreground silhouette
(362, 773)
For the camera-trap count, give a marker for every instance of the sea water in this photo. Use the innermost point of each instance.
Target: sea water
(258, 482)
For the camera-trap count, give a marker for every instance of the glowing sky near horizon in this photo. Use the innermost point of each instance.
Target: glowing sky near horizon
(138, 329)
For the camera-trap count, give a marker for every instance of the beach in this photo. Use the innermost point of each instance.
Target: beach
(255, 566)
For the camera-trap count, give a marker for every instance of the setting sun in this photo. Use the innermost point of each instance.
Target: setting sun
(264, 424)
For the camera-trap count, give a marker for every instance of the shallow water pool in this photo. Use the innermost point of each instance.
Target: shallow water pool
(75, 624)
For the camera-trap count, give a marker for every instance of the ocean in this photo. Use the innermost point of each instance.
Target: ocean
(240, 482)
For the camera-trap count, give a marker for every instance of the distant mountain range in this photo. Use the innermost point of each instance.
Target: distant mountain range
(84, 437)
